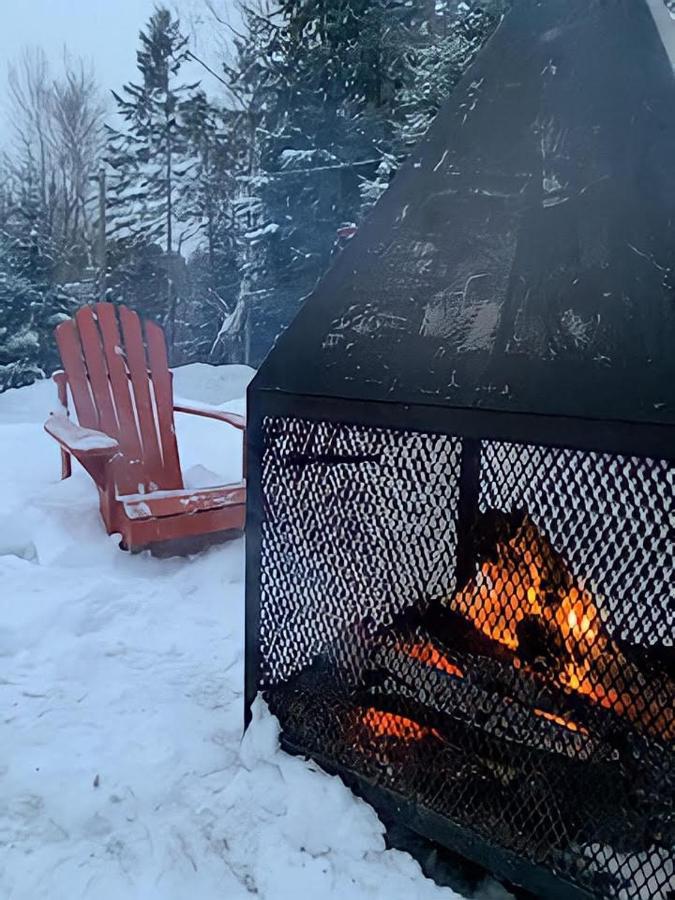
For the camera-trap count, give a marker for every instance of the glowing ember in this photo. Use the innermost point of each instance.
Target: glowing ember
(428, 654)
(565, 723)
(383, 724)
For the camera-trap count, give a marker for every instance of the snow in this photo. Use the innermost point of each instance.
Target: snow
(302, 158)
(122, 772)
(78, 438)
(213, 385)
(259, 233)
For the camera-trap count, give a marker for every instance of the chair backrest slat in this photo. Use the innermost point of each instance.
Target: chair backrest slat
(119, 389)
(140, 383)
(70, 348)
(97, 370)
(119, 380)
(161, 381)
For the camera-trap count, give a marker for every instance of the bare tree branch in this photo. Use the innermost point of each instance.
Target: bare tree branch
(57, 125)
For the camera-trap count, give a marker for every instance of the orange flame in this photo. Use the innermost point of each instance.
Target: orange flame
(523, 583)
(429, 655)
(383, 724)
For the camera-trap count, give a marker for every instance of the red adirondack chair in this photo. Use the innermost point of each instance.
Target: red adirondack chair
(118, 375)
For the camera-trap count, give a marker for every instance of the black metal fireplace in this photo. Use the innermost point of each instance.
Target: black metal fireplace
(461, 480)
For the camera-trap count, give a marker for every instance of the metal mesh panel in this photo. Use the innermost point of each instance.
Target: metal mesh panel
(611, 516)
(359, 524)
(531, 703)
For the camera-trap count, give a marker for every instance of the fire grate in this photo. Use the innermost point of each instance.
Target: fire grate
(504, 662)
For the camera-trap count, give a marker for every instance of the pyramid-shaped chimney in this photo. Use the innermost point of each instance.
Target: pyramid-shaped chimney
(524, 258)
(460, 472)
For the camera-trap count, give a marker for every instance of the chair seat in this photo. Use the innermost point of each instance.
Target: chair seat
(159, 504)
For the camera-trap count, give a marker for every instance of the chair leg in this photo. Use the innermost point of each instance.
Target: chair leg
(62, 393)
(66, 465)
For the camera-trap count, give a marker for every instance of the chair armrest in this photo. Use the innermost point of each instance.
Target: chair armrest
(77, 440)
(207, 412)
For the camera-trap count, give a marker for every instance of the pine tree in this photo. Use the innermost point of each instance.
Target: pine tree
(217, 148)
(255, 82)
(325, 74)
(19, 300)
(30, 306)
(332, 94)
(151, 157)
(32, 301)
(438, 65)
(442, 43)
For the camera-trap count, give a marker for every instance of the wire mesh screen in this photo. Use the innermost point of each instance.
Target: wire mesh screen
(611, 516)
(531, 703)
(359, 524)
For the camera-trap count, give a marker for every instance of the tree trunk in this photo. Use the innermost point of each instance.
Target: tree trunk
(430, 15)
(170, 294)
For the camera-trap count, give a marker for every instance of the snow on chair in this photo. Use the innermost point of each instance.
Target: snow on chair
(117, 372)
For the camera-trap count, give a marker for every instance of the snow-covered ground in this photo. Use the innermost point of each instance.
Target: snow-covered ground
(122, 770)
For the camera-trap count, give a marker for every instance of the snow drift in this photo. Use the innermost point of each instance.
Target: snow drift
(122, 770)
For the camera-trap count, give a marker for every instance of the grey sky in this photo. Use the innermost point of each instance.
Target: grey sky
(102, 31)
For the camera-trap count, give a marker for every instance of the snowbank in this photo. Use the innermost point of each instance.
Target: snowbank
(211, 384)
(122, 773)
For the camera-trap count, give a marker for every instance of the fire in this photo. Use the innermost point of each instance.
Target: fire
(429, 655)
(516, 586)
(529, 584)
(565, 723)
(383, 724)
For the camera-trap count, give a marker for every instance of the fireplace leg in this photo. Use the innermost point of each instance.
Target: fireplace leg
(467, 511)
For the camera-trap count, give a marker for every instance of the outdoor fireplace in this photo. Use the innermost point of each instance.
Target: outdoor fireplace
(461, 480)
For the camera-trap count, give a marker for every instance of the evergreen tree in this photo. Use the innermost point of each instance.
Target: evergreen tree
(307, 80)
(219, 150)
(445, 41)
(255, 83)
(438, 65)
(341, 95)
(152, 157)
(137, 275)
(19, 301)
(30, 306)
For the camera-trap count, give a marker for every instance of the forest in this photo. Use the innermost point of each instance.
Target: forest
(213, 204)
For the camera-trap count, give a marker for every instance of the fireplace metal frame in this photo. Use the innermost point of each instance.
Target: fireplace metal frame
(480, 302)
(503, 863)
(638, 440)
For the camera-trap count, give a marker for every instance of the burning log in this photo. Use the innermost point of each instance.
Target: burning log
(485, 666)
(427, 653)
(425, 731)
(513, 693)
(570, 724)
(440, 699)
(524, 597)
